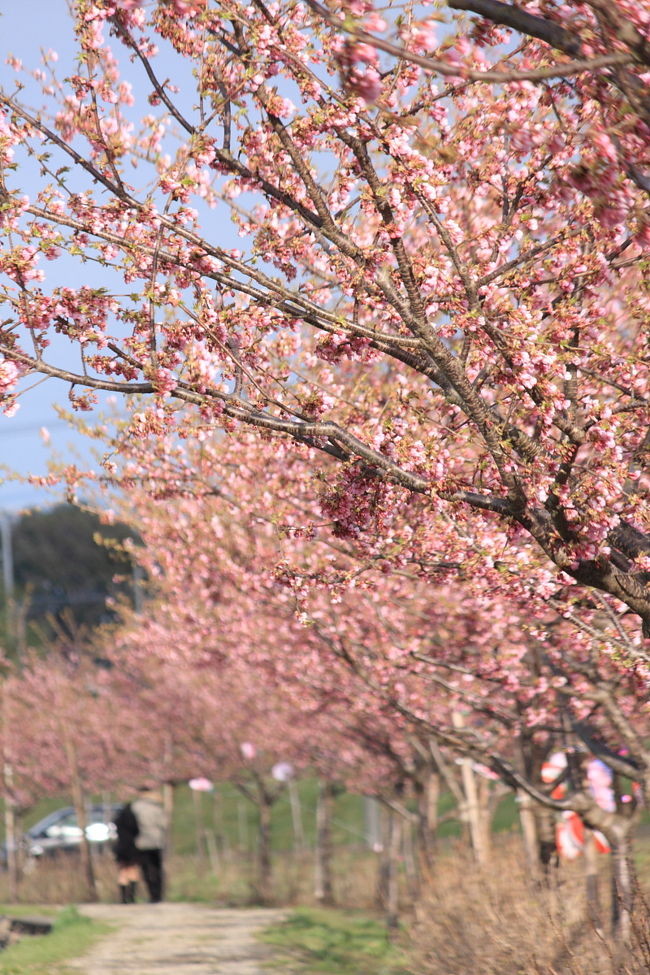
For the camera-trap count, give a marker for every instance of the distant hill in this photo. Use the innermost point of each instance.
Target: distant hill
(63, 574)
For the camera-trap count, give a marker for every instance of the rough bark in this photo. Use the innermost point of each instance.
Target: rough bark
(594, 907)
(388, 885)
(264, 862)
(477, 832)
(323, 887)
(529, 834)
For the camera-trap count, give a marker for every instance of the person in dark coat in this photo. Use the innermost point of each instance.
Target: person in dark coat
(150, 841)
(126, 853)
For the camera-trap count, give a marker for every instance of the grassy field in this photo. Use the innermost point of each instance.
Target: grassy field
(332, 942)
(233, 819)
(71, 935)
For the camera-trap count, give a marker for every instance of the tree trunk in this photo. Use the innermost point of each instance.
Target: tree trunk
(529, 834)
(167, 778)
(242, 828)
(79, 803)
(432, 800)
(372, 822)
(217, 822)
(428, 795)
(198, 825)
(381, 897)
(11, 838)
(296, 817)
(547, 845)
(411, 860)
(484, 816)
(87, 866)
(323, 888)
(264, 806)
(168, 807)
(622, 889)
(472, 809)
(393, 844)
(591, 882)
(212, 851)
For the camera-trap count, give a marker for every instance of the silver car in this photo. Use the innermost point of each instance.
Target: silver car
(60, 833)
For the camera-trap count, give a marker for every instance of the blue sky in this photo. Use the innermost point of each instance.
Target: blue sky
(26, 26)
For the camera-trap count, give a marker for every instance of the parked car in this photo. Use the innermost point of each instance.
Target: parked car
(60, 833)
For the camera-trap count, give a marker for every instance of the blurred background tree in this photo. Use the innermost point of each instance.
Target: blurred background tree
(68, 568)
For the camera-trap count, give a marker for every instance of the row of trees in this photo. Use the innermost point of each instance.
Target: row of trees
(388, 453)
(260, 633)
(246, 580)
(441, 288)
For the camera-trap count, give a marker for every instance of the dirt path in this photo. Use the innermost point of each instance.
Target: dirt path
(177, 939)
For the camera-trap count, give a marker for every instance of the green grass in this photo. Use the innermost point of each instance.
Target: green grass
(333, 942)
(234, 818)
(71, 936)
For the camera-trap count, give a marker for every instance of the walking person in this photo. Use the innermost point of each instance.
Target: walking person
(126, 854)
(150, 841)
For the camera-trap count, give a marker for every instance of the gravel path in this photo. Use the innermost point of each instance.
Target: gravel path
(177, 939)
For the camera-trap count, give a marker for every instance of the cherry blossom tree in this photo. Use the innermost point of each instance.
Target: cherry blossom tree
(193, 672)
(440, 286)
(438, 312)
(60, 736)
(243, 575)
